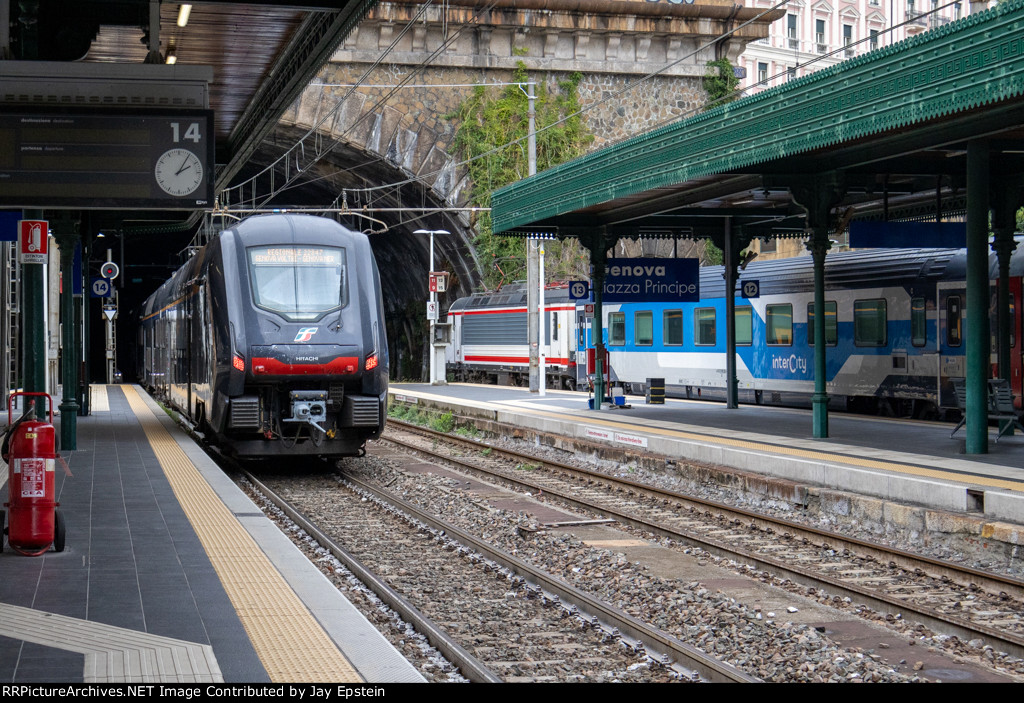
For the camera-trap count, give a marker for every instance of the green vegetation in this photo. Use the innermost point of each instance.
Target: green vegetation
(492, 136)
(720, 83)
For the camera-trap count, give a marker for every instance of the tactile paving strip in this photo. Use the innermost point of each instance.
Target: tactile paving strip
(287, 639)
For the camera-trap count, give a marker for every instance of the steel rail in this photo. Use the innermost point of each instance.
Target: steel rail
(964, 629)
(653, 640)
(471, 667)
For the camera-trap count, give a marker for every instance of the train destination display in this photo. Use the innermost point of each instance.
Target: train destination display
(136, 159)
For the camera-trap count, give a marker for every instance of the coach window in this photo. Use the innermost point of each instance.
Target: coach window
(918, 322)
(554, 326)
(831, 330)
(672, 327)
(617, 329)
(778, 324)
(954, 322)
(643, 328)
(869, 323)
(744, 326)
(704, 326)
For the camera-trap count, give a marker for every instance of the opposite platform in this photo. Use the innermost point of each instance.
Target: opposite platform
(905, 461)
(171, 574)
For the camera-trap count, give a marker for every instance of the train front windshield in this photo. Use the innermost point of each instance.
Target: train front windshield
(298, 282)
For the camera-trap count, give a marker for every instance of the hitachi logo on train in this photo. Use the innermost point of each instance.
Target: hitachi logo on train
(305, 334)
(636, 270)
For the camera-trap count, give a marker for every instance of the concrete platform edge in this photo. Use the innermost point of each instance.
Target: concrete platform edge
(370, 653)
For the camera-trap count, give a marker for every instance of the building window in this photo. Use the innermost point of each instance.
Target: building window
(790, 73)
(672, 327)
(831, 326)
(617, 329)
(791, 31)
(918, 322)
(762, 72)
(869, 323)
(819, 35)
(873, 41)
(778, 323)
(744, 326)
(957, 11)
(643, 328)
(954, 321)
(704, 326)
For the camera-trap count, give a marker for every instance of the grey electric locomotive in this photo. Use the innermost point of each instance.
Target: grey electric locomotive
(271, 339)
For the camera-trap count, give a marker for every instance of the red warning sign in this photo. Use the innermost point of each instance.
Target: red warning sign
(33, 237)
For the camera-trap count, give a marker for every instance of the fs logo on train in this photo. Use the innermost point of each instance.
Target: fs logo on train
(305, 334)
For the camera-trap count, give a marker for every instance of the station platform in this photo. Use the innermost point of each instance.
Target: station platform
(903, 461)
(170, 574)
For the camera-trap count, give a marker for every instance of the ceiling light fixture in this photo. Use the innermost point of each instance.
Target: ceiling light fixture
(183, 13)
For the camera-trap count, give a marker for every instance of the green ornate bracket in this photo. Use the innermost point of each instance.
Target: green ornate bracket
(974, 62)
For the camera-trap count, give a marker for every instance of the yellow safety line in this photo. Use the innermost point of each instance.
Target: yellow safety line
(287, 639)
(777, 449)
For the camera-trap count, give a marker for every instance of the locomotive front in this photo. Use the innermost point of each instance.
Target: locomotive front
(307, 351)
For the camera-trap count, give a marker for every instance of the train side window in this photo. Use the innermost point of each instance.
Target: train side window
(617, 329)
(643, 328)
(554, 326)
(918, 322)
(954, 321)
(744, 326)
(778, 323)
(831, 328)
(672, 327)
(704, 326)
(869, 323)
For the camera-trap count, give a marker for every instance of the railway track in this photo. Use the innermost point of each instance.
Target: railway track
(945, 597)
(497, 617)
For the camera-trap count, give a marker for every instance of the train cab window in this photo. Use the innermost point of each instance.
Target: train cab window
(869, 323)
(643, 328)
(298, 282)
(778, 324)
(954, 321)
(672, 327)
(616, 329)
(831, 327)
(744, 326)
(918, 322)
(704, 326)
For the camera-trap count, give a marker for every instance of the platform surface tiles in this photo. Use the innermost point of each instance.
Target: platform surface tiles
(171, 575)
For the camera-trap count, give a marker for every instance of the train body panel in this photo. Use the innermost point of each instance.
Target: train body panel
(894, 321)
(274, 339)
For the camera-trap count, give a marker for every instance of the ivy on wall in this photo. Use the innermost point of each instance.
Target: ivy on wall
(492, 137)
(720, 83)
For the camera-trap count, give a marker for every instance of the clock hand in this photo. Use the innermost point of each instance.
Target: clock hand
(184, 165)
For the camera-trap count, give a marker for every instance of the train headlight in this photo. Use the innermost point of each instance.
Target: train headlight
(371, 362)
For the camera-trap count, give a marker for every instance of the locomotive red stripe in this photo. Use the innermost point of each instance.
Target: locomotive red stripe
(272, 367)
(513, 359)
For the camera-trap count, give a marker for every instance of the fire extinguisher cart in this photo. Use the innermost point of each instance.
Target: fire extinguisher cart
(29, 448)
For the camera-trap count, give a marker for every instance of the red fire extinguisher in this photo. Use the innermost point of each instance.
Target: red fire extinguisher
(29, 448)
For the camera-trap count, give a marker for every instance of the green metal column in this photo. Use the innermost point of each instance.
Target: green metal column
(729, 256)
(977, 342)
(819, 245)
(67, 238)
(33, 345)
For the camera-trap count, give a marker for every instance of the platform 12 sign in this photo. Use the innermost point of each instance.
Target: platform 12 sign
(33, 239)
(640, 280)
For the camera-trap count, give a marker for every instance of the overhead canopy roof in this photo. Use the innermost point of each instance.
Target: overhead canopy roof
(894, 122)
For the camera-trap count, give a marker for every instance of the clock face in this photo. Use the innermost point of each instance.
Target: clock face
(178, 172)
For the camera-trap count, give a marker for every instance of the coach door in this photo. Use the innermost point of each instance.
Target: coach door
(952, 323)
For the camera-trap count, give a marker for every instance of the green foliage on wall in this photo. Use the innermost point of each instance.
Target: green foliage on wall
(720, 83)
(488, 121)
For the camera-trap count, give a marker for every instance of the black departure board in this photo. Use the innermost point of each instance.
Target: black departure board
(106, 159)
